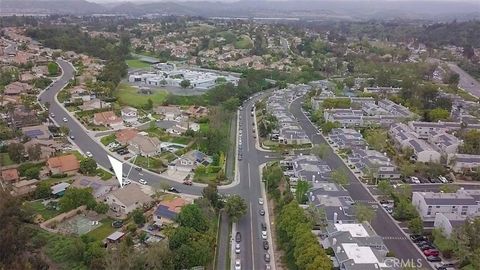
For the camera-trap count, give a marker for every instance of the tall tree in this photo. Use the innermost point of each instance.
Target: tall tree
(340, 177)
(191, 216)
(364, 212)
(235, 207)
(320, 150)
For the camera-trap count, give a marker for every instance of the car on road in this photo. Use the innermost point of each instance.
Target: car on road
(238, 237)
(425, 247)
(261, 212)
(266, 257)
(138, 169)
(431, 252)
(237, 248)
(143, 182)
(264, 226)
(264, 235)
(65, 119)
(434, 259)
(72, 137)
(265, 245)
(174, 190)
(422, 243)
(238, 265)
(260, 201)
(188, 182)
(445, 266)
(268, 267)
(52, 115)
(442, 179)
(415, 180)
(418, 238)
(88, 154)
(126, 182)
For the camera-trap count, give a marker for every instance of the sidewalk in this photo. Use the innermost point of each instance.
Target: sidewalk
(223, 242)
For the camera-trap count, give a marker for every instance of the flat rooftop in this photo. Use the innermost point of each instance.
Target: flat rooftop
(360, 255)
(355, 229)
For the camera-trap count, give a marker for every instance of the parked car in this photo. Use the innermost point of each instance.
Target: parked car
(264, 235)
(426, 247)
(143, 182)
(431, 252)
(138, 169)
(264, 226)
(238, 265)
(88, 154)
(52, 115)
(417, 238)
(261, 212)
(172, 189)
(188, 182)
(126, 182)
(415, 180)
(266, 257)
(260, 201)
(434, 259)
(421, 243)
(117, 224)
(65, 119)
(72, 137)
(445, 266)
(238, 237)
(265, 245)
(237, 248)
(268, 267)
(442, 179)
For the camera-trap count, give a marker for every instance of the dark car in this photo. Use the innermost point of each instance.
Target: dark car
(265, 245)
(266, 257)
(117, 224)
(434, 259)
(262, 212)
(421, 243)
(425, 247)
(264, 226)
(138, 169)
(238, 237)
(172, 189)
(445, 266)
(418, 238)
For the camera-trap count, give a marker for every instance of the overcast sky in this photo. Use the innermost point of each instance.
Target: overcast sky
(146, 1)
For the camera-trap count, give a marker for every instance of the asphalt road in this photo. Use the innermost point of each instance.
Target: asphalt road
(249, 187)
(392, 236)
(86, 143)
(467, 82)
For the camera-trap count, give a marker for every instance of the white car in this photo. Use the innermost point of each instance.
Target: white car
(88, 154)
(52, 115)
(415, 180)
(260, 201)
(126, 182)
(65, 119)
(238, 265)
(143, 182)
(264, 235)
(237, 248)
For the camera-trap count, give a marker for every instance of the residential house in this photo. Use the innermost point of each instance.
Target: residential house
(48, 147)
(372, 163)
(125, 135)
(107, 118)
(448, 222)
(168, 112)
(63, 164)
(334, 200)
(356, 246)
(346, 138)
(24, 187)
(10, 176)
(345, 117)
(382, 90)
(463, 162)
(424, 129)
(405, 137)
(445, 142)
(199, 157)
(293, 135)
(99, 187)
(144, 145)
(94, 104)
(17, 88)
(183, 164)
(125, 200)
(307, 168)
(167, 211)
(129, 115)
(464, 203)
(24, 117)
(197, 111)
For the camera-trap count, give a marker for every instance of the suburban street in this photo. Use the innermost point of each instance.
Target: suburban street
(467, 82)
(383, 224)
(86, 143)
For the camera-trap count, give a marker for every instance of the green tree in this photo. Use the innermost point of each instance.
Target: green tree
(328, 126)
(210, 192)
(320, 150)
(185, 83)
(438, 114)
(43, 191)
(138, 217)
(88, 166)
(34, 152)
(385, 187)
(52, 68)
(404, 210)
(32, 173)
(340, 177)
(75, 197)
(364, 212)
(235, 207)
(301, 191)
(467, 242)
(415, 225)
(377, 139)
(16, 151)
(101, 208)
(192, 216)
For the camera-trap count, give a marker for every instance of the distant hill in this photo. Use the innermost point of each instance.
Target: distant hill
(49, 7)
(298, 9)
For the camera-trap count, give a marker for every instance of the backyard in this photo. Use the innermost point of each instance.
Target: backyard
(39, 208)
(128, 95)
(5, 159)
(103, 231)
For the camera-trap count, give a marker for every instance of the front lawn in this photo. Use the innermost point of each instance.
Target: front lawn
(108, 139)
(104, 175)
(203, 127)
(135, 63)
(181, 140)
(5, 159)
(150, 163)
(103, 231)
(42, 210)
(128, 95)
